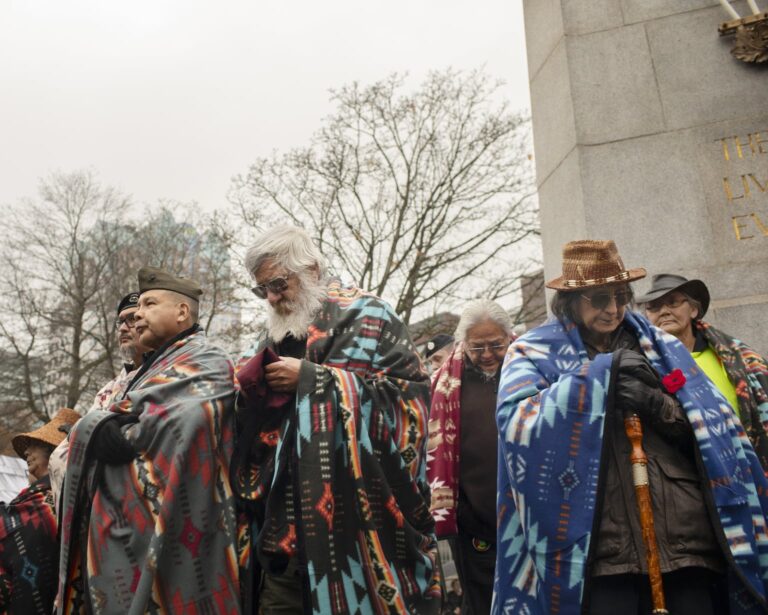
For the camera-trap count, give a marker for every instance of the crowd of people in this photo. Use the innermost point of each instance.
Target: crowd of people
(316, 473)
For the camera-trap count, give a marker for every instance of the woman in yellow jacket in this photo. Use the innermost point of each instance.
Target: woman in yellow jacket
(677, 305)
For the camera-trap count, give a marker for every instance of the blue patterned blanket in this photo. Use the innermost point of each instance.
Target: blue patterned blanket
(551, 414)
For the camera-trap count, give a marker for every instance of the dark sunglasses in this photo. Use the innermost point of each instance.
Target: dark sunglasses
(275, 286)
(602, 299)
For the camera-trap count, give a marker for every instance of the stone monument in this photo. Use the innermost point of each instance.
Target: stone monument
(649, 132)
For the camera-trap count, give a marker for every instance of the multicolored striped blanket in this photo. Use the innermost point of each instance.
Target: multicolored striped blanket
(160, 531)
(29, 551)
(748, 372)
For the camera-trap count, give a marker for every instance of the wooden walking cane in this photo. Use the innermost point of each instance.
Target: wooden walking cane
(639, 463)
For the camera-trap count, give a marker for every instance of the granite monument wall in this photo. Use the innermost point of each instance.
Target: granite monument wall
(647, 131)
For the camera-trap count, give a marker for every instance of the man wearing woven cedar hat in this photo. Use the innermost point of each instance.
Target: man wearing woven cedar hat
(29, 550)
(148, 519)
(571, 537)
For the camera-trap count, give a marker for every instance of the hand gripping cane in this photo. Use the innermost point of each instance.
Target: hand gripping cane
(639, 462)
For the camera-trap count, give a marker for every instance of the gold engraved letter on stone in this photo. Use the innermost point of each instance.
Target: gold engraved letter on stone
(763, 188)
(737, 142)
(737, 226)
(728, 191)
(759, 140)
(763, 228)
(726, 154)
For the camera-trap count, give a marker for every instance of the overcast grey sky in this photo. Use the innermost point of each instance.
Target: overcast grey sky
(170, 99)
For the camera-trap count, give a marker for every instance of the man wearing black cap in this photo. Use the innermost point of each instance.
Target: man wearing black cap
(678, 305)
(131, 351)
(130, 348)
(438, 349)
(156, 531)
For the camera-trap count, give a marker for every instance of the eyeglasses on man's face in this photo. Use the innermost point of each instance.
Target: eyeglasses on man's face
(671, 302)
(128, 321)
(494, 347)
(602, 298)
(275, 286)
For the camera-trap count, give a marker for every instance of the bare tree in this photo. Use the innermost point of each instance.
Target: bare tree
(67, 259)
(56, 255)
(424, 198)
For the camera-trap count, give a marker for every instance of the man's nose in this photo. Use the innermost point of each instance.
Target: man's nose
(273, 297)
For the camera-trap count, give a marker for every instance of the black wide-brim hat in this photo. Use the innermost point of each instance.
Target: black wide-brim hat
(664, 283)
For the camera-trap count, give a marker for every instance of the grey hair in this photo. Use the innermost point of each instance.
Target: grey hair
(694, 303)
(194, 304)
(289, 246)
(479, 311)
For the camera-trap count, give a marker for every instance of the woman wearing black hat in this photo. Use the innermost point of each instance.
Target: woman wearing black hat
(677, 305)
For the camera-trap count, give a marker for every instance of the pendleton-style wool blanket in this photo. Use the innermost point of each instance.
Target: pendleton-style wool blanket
(109, 393)
(355, 439)
(29, 552)
(443, 445)
(748, 372)
(160, 530)
(552, 411)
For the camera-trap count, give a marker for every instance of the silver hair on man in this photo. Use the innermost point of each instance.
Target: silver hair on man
(290, 247)
(482, 310)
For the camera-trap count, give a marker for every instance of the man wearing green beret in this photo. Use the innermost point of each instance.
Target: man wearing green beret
(156, 531)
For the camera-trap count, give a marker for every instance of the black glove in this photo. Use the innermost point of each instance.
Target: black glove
(634, 395)
(110, 445)
(634, 364)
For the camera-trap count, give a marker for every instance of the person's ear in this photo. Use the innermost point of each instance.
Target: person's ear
(183, 312)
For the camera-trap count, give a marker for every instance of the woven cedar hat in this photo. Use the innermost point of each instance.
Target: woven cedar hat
(588, 263)
(49, 434)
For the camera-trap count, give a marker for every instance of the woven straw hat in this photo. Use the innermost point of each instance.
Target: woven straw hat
(49, 434)
(588, 263)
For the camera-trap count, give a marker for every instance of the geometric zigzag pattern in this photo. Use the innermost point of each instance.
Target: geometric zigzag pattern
(551, 393)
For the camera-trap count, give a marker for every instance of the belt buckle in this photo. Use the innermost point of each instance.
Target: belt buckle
(481, 546)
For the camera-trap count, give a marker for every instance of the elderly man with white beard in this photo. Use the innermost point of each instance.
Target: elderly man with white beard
(329, 469)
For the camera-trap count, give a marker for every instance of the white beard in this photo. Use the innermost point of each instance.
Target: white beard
(302, 311)
(126, 354)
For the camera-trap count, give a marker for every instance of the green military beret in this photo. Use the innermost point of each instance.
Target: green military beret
(151, 278)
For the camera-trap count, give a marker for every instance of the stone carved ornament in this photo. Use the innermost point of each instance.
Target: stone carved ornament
(751, 41)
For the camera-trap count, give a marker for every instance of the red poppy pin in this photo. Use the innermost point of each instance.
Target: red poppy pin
(673, 381)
